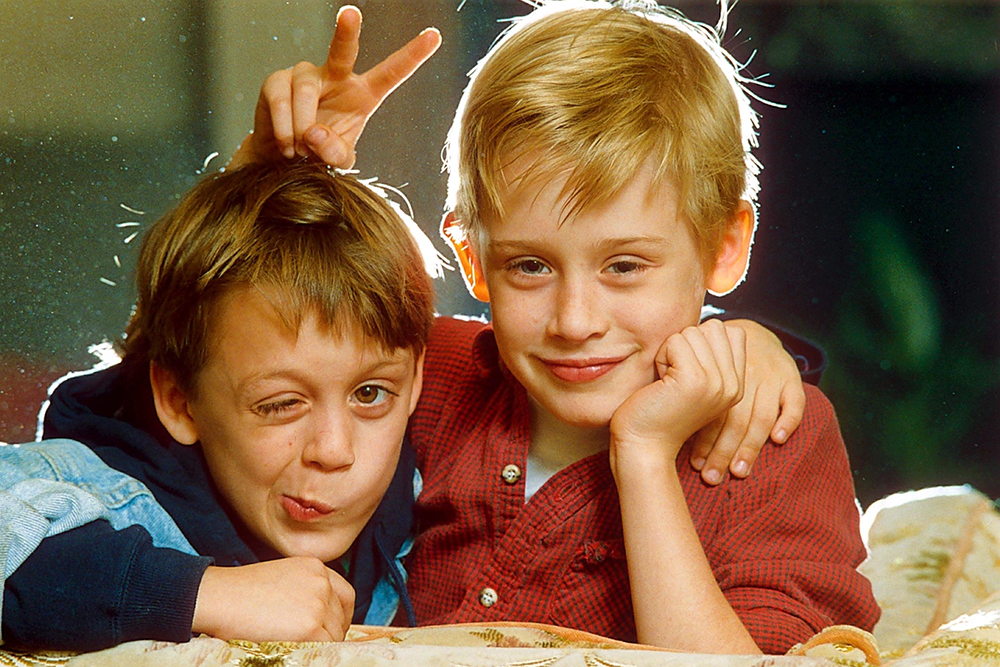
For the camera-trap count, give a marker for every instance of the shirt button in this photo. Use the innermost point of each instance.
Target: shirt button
(488, 597)
(511, 473)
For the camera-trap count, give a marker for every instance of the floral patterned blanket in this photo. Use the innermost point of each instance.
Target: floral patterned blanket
(934, 566)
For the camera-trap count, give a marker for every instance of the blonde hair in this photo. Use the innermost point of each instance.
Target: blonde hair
(596, 90)
(304, 237)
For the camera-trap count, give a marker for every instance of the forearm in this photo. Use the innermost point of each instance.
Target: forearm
(808, 356)
(94, 587)
(676, 600)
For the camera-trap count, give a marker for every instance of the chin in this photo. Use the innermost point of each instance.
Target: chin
(587, 407)
(582, 416)
(325, 550)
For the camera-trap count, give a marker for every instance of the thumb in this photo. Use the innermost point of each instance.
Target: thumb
(329, 147)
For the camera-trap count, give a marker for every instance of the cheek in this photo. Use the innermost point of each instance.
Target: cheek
(375, 462)
(656, 319)
(382, 442)
(254, 463)
(519, 319)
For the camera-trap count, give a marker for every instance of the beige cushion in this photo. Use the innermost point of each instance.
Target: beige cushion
(935, 554)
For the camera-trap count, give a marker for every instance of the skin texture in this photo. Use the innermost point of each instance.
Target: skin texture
(301, 431)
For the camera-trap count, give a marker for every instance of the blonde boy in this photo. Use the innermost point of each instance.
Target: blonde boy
(601, 181)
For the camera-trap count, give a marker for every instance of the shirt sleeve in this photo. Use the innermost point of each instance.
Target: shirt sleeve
(788, 549)
(93, 587)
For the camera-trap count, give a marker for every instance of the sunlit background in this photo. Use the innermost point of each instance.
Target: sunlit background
(878, 229)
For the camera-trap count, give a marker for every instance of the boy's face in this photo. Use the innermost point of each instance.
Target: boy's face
(301, 432)
(580, 307)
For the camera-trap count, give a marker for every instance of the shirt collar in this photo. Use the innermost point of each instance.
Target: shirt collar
(485, 355)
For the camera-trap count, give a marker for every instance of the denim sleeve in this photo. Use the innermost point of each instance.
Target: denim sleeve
(56, 485)
(93, 587)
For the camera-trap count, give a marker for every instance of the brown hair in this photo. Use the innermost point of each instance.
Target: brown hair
(596, 90)
(305, 237)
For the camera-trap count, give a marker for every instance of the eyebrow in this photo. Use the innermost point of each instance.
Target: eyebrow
(604, 244)
(380, 365)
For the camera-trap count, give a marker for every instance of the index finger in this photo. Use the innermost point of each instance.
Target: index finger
(397, 68)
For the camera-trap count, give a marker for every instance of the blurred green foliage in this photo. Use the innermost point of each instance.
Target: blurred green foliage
(908, 385)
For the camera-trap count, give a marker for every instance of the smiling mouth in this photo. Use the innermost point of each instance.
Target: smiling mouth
(301, 509)
(581, 370)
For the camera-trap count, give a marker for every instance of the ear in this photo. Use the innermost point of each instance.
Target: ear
(172, 405)
(472, 268)
(731, 264)
(418, 383)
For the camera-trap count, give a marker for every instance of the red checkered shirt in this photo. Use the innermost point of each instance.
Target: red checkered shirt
(784, 544)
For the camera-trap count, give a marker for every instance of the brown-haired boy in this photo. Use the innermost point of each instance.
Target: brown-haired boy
(601, 181)
(273, 359)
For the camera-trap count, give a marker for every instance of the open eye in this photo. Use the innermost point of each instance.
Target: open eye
(624, 266)
(529, 266)
(372, 394)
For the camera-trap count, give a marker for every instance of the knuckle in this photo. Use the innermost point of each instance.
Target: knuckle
(313, 567)
(276, 80)
(280, 103)
(723, 450)
(314, 632)
(717, 388)
(306, 86)
(702, 444)
(303, 67)
(730, 388)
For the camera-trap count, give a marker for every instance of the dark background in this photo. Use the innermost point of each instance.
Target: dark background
(878, 235)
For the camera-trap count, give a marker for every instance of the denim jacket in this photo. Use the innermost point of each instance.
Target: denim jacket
(49, 487)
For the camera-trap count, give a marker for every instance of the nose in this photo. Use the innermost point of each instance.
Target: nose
(330, 445)
(577, 313)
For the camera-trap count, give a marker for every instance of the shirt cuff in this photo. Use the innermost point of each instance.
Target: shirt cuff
(159, 595)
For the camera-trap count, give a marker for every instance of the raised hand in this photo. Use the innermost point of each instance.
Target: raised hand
(290, 599)
(320, 112)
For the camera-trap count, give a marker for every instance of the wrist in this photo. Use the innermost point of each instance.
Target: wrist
(206, 607)
(636, 459)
